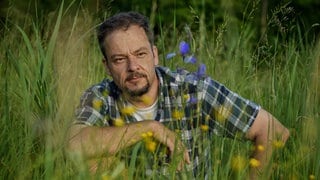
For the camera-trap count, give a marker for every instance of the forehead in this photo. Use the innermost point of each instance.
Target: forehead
(132, 38)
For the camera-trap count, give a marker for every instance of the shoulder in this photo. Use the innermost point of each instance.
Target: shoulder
(100, 90)
(179, 75)
(105, 88)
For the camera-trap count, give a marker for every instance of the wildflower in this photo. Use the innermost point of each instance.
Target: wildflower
(204, 127)
(97, 104)
(312, 177)
(151, 145)
(190, 59)
(149, 133)
(128, 110)
(237, 163)
(260, 148)
(146, 135)
(193, 100)
(254, 162)
(176, 114)
(184, 48)
(105, 177)
(277, 144)
(186, 97)
(201, 70)
(118, 122)
(171, 55)
(146, 100)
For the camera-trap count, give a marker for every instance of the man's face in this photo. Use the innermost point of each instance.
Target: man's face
(131, 61)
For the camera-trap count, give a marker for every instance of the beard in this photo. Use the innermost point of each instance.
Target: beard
(138, 92)
(141, 91)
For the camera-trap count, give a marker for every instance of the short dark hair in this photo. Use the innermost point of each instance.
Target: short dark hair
(123, 20)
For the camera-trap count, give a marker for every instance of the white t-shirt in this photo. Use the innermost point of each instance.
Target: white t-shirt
(148, 113)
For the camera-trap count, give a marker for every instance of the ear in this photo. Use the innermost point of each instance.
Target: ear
(155, 55)
(105, 64)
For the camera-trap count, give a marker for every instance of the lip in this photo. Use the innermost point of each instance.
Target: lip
(134, 79)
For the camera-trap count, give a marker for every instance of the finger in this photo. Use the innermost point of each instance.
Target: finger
(186, 157)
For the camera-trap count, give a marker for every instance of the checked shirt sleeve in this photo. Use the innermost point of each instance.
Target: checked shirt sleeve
(92, 107)
(230, 114)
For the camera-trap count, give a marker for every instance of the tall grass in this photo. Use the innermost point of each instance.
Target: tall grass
(45, 68)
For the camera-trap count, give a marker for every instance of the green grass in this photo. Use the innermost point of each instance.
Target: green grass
(45, 68)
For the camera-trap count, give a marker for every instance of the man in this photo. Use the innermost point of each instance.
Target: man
(162, 106)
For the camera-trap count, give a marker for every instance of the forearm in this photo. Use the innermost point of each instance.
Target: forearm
(93, 141)
(260, 158)
(265, 131)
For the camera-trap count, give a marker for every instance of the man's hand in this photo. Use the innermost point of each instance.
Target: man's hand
(176, 147)
(92, 141)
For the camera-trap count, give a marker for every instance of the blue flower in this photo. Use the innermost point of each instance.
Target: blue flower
(193, 100)
(190, 59)
(184, 48)
(201, 70)
(171, 55)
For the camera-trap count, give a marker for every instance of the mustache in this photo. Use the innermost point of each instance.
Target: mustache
(135, 75)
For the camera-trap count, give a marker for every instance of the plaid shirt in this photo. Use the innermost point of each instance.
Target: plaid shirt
(194, 107)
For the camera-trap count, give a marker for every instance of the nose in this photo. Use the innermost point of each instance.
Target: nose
(132, 63)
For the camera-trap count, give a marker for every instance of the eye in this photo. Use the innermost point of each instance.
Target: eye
(118, 59)
(141, 54)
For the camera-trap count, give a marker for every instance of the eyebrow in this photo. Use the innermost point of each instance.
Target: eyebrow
(136, 51)
(141, 49)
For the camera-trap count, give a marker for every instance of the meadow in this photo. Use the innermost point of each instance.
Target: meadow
(47, 64)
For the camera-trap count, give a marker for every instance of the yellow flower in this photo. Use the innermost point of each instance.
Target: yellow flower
(186, 97)
(221, 114)
(238, 163)
(312, 177)
(149, 133)
(177, 114)
(151, 145)
(105, 177)
(254, 163)
(144, 135)
(97, 104)
(118, 122)
(204, 127)
(277, 144)
(146, 99)
(260, 148)
(128, 110)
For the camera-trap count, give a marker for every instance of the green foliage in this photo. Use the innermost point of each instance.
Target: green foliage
(47, 64)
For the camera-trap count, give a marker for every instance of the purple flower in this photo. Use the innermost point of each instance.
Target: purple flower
(193, 100)
(201, 70)
(190, 59)
(171, 55)
(184, 48)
